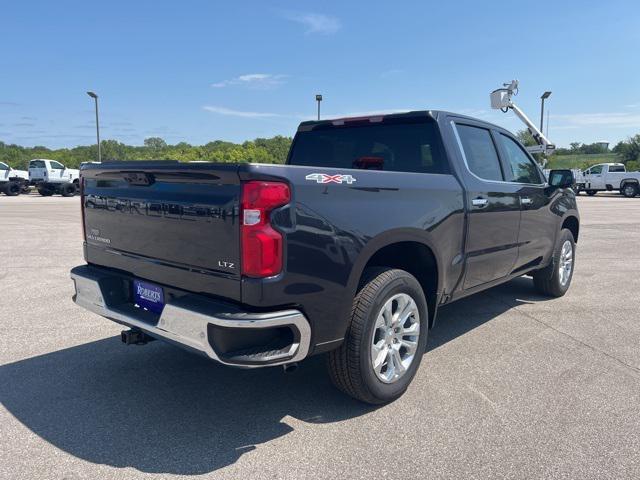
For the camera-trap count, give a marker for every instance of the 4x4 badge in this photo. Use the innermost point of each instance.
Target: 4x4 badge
(324, 178)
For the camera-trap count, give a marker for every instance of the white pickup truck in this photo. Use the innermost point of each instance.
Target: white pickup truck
(610, 177)
(52, 177)
(13, 182)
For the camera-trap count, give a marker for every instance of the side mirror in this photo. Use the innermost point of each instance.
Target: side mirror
(561, 178)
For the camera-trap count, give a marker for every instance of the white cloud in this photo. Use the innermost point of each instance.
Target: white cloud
(611, 119)
(253, 80)
(316, 22)
(238, 113)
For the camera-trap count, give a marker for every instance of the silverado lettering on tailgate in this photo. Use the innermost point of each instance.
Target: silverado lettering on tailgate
(159, 209)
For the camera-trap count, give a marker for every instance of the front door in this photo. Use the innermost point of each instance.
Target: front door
(537, 224)
(595, 178)
(493, 206)
(56, 172)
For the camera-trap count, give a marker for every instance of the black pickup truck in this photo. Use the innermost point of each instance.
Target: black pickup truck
(348, 249)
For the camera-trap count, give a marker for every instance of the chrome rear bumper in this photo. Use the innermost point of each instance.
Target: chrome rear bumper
(186, 320)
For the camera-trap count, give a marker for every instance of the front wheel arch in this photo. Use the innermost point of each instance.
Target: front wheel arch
(572, 224)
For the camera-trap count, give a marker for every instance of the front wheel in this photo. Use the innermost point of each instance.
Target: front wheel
(386, 338)
(12, 189)
(45, 192)
(555, 279)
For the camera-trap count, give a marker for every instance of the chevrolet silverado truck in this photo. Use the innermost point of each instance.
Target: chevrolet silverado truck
(610, 177)
(348, 249)
(51, 177)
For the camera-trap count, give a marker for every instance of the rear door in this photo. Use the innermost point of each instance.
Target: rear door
(537, 224)
(493, 205)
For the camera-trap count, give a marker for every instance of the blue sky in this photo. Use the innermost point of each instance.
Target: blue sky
(198, 71)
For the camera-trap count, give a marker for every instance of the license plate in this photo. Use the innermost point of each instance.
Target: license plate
(148, 295)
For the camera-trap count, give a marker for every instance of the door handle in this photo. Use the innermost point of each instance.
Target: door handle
(479, 202)
(525, 201)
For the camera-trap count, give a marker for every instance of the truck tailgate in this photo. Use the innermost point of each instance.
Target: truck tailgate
(166, 222)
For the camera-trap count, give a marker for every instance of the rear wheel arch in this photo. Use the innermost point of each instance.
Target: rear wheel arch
(410, 252)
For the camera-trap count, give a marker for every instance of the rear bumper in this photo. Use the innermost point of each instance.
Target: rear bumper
(197, 322)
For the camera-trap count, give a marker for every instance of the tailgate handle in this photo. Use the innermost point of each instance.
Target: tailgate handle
(139, 178)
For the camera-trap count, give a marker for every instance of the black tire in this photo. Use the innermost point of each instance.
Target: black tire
(548, 281)
(45, 192)
(591, 193)
(68, 190)
(629, 190)
(350, 366)
(12, 189)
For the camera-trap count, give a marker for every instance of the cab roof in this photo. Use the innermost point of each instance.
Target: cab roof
(382, 117)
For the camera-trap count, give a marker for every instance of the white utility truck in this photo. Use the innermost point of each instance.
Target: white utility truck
(13, 182)
(52, 177)
(610, 177)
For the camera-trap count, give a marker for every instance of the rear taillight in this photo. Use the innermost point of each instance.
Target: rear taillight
(261, 244)
(84, 230)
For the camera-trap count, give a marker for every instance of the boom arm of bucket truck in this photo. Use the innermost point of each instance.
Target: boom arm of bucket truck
(501, 99)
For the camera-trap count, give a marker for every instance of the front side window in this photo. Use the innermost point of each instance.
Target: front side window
(56, 166)
(595, 170)
(480, 152)
(4, 166)
(521, 168)
(397, 147)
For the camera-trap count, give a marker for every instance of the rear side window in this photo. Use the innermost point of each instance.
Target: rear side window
(400, 147)
(480, 152)
(522, 168)
(616, 168)
(36, 164)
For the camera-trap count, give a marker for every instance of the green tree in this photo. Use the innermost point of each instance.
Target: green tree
(155, 143)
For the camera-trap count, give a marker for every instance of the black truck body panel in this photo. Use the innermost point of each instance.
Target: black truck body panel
(179, 225)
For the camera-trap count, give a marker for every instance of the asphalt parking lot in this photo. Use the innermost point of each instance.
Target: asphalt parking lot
(513, 385)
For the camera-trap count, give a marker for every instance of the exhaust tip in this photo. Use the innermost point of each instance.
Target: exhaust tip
(290, 367)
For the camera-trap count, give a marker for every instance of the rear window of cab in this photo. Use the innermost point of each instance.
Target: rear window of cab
(397, 147)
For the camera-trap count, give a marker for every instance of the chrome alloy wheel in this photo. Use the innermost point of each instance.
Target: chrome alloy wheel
(395, 338)
(566, 262)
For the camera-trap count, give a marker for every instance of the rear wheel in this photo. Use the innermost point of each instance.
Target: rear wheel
(68, 190)
(629, 190)
(555, 279)
(591, 193)
(386, 338)
(45, 192)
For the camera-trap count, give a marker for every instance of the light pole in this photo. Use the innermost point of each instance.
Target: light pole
(95, 97)
(318, 99)
(544, 96)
